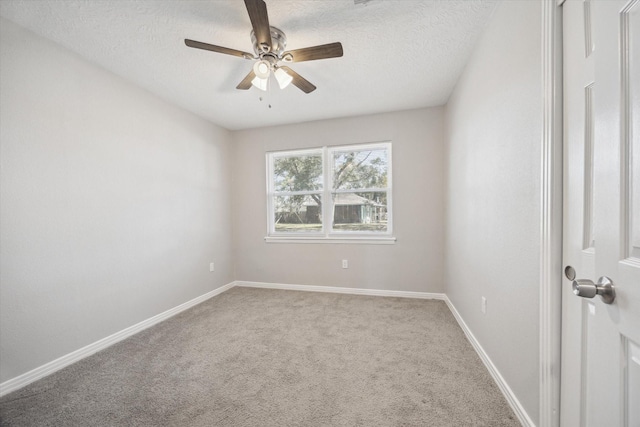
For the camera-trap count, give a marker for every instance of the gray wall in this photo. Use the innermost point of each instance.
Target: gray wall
(113, 203)
(494, 133)
(414, 263)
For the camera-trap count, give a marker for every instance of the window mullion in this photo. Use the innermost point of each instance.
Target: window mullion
(327, 204)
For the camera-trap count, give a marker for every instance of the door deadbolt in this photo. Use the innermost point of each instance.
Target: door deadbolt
(587, 289)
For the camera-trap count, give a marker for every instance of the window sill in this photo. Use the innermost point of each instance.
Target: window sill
(362, 240)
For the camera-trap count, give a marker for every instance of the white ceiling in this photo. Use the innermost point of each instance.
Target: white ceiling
(398, 54)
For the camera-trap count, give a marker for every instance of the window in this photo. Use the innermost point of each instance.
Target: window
(330, 192)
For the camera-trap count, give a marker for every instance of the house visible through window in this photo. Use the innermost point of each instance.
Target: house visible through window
(330, 191)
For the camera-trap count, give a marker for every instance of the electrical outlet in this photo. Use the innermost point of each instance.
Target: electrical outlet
(212, 267)
(483, 305)
(345, 263)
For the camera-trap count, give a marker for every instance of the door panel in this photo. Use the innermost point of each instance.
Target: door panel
(601, 342)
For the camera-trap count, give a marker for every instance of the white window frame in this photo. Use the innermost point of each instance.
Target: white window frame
(326, 235)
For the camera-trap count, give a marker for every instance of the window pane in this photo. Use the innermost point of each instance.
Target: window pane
(298, 214)
(365, 212)
(297, 173)
(360, 169)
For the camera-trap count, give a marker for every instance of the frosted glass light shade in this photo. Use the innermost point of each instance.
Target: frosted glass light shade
(261, 69)
(282, 77)
(260, 83)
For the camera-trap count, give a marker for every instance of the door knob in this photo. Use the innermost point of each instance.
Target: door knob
(587, 289)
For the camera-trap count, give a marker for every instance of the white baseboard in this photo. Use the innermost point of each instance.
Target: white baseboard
(66, 360)
(337, 290)
(513, 401)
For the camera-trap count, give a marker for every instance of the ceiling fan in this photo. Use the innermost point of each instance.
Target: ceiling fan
(269, 44)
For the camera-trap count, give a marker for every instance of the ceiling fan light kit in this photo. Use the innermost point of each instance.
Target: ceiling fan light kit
(269, 45)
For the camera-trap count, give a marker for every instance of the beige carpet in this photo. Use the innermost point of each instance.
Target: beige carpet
(256, 357)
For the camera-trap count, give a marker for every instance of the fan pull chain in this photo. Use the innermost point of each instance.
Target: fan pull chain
(268, 93)
(269, 90)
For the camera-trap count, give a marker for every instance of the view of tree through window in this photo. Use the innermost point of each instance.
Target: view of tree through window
(299, 180)
(355, 174)
(353, 193)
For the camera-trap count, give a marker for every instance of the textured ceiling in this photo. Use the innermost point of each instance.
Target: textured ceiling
(398, 54)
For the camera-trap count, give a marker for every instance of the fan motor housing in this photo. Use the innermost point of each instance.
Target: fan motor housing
(278, 42)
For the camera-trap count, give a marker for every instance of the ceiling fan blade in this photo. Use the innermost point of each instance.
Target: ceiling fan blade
(257, 10)
(219, 49)
(331, 50)
(246, 82)
(302, 83)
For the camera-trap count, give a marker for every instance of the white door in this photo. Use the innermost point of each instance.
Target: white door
(600, 372)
